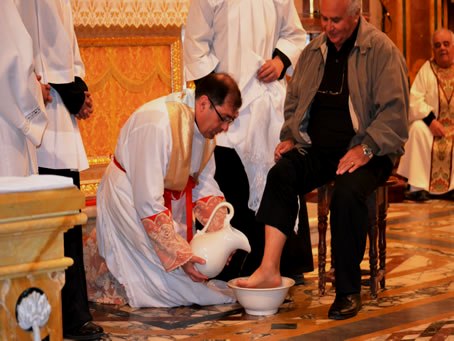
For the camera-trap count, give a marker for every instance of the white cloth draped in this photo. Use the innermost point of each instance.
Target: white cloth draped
(143, 150)
(415, 164)
(22, 116)
(34, 182)
(237, 37)
(256, 149)
(57, 59)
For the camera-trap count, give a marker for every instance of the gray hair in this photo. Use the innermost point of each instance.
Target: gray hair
(439, 31)
(354, 7)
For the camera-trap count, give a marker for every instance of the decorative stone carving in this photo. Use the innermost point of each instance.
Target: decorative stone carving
(134, 13)
(32, 311)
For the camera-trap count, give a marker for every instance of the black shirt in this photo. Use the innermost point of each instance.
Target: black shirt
(330, 125)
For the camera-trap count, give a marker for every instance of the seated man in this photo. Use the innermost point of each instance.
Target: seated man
(345, 120)
(428, 160)
(162, 164)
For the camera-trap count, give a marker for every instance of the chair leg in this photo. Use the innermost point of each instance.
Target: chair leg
(377, 205)
(383, 204)
(322, 209)
(372, 232)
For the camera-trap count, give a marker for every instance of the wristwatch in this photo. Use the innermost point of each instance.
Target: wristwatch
(367, 150)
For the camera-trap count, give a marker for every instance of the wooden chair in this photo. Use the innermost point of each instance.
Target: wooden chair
(378, 208)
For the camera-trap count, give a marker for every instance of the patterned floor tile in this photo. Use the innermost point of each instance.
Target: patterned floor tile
(417, 303)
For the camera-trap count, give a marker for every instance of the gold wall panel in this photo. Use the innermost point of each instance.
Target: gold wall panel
(122, 73)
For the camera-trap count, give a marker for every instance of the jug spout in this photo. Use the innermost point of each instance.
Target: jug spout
(241, 241)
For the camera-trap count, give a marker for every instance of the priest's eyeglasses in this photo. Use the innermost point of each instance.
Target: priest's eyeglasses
(225, 118)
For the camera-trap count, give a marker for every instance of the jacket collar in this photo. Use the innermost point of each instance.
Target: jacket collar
(363, 39)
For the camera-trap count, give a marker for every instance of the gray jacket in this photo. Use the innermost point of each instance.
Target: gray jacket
(378, 86)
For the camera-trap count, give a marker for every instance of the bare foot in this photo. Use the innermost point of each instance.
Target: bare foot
(261, 279)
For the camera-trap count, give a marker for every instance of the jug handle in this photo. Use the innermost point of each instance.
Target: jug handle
(228, 216)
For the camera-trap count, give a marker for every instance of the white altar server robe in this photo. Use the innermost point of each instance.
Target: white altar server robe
(22, 116)
(237, 37)
(58, 61)
(124, 198)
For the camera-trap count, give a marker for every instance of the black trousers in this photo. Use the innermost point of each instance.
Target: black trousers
(232, 179)
(75, 311)
(296, 174)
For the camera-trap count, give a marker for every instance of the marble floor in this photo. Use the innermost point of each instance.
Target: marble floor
(417, 304)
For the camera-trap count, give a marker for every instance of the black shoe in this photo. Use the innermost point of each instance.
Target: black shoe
(345, 306)
(88, 331)
(450, 195)
(417, 196)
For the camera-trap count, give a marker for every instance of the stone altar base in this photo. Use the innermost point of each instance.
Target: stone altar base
(32, 259)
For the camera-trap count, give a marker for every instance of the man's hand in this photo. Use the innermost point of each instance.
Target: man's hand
(352, 160)
(437, 129)
(87, 108)
(45, 90)
(271, 70)
(192, 272)
(282, 148)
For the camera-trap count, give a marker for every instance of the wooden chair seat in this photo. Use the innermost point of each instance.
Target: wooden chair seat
(377, 208)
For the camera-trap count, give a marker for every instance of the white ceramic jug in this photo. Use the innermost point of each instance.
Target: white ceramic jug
(216, 247)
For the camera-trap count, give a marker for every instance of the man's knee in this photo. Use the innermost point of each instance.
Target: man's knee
(281, 173)
(347, 190)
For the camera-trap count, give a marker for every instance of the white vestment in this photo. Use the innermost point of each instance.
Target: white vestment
(22, 116)
(125, 197)
(58, 61)
(415, 164)
(237, 37)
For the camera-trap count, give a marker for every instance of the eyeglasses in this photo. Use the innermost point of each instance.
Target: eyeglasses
(227, 119)
(334, 93)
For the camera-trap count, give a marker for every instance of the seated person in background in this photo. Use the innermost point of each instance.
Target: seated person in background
(345, 120)
(428, 160)
(162, 158)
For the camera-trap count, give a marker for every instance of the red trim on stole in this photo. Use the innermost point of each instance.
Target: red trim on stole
(118, 164)
(170, 195)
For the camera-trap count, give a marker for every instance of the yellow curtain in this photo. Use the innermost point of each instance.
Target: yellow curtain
(120, 79)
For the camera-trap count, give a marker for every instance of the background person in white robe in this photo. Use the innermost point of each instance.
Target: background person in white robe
(58, 62)
(256, 42)
(22, 116)
(141, 239)
(428, 159)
